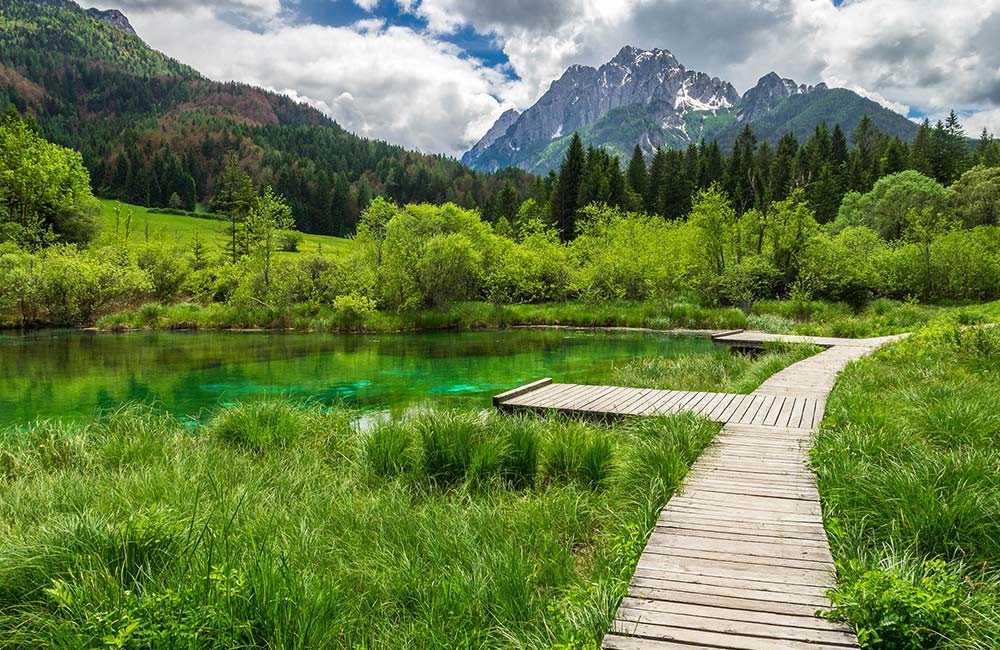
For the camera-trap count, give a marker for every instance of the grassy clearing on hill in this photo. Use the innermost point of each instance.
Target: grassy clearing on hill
(182, 230)
(909, 473)
(276, 526)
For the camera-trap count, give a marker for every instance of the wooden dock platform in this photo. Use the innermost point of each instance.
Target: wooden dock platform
(739, 558)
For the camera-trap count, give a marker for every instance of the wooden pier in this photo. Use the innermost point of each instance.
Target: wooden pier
(739, 558)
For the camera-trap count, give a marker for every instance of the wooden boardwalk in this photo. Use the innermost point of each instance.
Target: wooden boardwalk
(739, 558)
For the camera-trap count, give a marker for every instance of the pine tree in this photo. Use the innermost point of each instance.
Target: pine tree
(838, 144)
(922, 150)
(713, 166)
(894, 159)
(763, 165)
(506, 203)
(234, 196)
(783, 175)
(638, 175)
(657, 179)
(566, 192)
(675, 189)
(740, 173)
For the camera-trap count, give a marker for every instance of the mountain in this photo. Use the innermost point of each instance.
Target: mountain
(150, 127)
(647, 97)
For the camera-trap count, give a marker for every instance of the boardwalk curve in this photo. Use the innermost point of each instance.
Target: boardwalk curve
(739, 558)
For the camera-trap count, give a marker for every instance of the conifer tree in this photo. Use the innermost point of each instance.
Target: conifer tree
(638, 175)
(565, 194)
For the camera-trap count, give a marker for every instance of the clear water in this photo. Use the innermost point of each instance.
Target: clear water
(71, 374)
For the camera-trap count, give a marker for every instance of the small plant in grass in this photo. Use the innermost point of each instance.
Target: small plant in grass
(895, 610)
(260, 425)
(578, 454)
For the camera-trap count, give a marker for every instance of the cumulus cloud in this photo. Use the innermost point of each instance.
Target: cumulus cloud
(412, 87)
(384, 82)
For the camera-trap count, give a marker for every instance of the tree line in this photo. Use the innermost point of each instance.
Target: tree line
(825, 168)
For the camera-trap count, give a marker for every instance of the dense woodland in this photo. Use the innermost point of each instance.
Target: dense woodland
(154, 132)
(907, 236)
(826, 168)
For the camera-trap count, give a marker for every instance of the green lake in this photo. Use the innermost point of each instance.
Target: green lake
(73, 374)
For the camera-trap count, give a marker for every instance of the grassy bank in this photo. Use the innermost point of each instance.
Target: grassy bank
(721, 371)
(275, 526)
(882, 317)
(909, 472)
(468, 315)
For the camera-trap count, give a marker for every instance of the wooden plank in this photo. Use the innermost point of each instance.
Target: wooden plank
(607, 401)
(687, 588)
(712, 639)
(542, 396)
(580, 398)
(748, 582)
(516, 392)
(800, 619)
(745, 629)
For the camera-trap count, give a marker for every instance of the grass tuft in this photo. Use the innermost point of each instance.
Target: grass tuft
(260, 425)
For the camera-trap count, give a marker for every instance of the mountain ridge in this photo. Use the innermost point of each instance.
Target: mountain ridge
(149, 127)
(662, 104)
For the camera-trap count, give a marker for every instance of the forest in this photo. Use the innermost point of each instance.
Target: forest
(749, 227)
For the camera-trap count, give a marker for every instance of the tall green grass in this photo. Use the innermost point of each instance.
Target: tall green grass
(909, 472)
(282, 526)
(723, 370)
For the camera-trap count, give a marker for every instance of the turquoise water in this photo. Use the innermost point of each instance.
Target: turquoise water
(71, 374)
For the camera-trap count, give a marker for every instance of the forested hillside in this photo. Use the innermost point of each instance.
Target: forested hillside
(154, 132)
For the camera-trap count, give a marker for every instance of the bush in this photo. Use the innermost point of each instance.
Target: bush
(352, 311)
(166, 269)
(520, 462)
(578, 454)
(290, 240)
(891, 609)
(64, 286)
(450, 441)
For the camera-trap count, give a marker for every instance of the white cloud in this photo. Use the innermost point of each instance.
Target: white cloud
(382, 82)
(367, 5)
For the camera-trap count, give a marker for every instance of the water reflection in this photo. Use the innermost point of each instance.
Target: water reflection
(72, 374)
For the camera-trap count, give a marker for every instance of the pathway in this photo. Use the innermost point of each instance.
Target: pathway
(739, 558)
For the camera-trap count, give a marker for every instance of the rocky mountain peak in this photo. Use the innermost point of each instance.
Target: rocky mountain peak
(644, 97)
(113, 17)
(771, 89)
(496, 132)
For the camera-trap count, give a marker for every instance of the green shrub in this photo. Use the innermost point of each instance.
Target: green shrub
(578, 454)
(897, 610)
(520, 463)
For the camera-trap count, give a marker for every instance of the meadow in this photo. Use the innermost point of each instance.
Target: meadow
(281, 525)
(182, 229)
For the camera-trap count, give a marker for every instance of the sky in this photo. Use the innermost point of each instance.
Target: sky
(434, 74)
